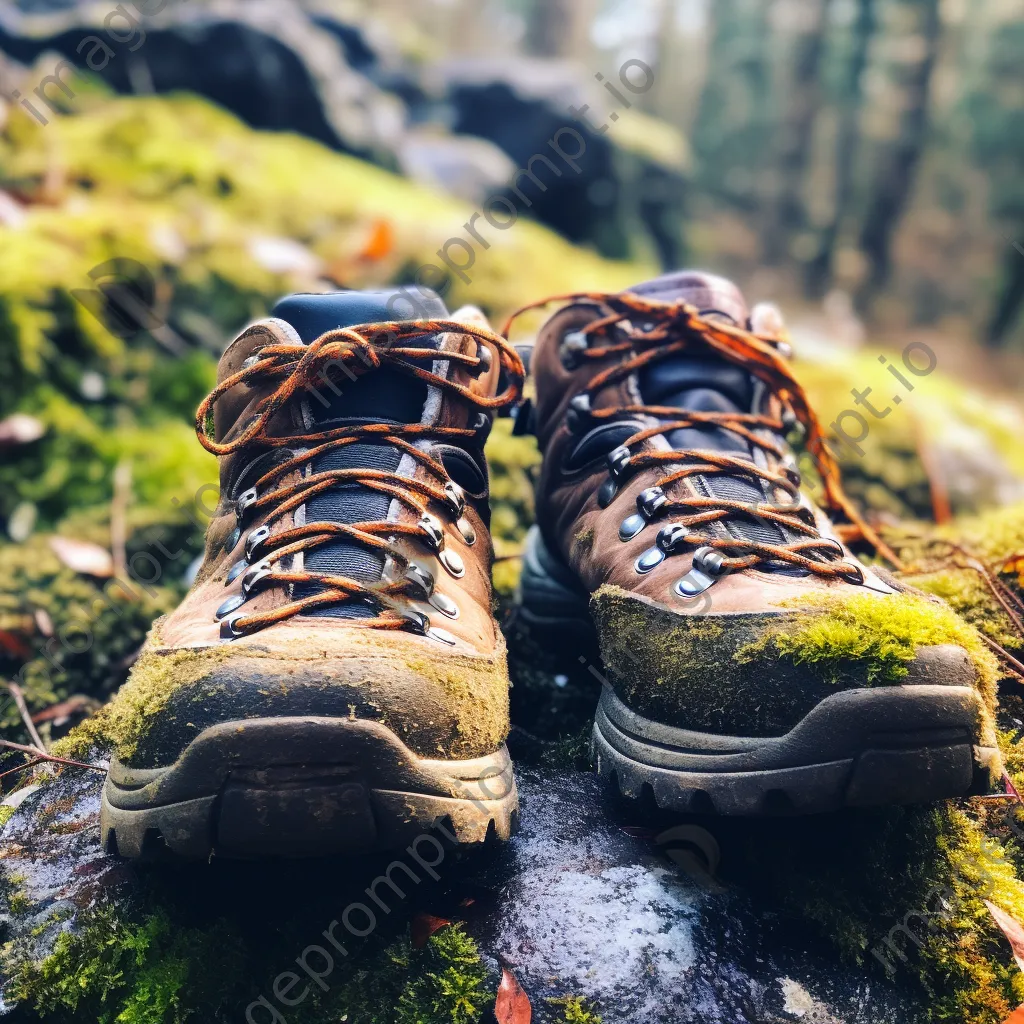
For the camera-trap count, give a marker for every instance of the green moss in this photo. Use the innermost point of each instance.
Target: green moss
(883, 636)
(110, 969)
(5, 815)
(576, 1010)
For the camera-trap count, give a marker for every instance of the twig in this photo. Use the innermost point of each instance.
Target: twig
(42, 755)
(22, 767)
(1016, 667)
(19, 699)
(937, 489)
(119, 517)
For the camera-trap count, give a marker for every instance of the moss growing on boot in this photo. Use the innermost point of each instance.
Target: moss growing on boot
(881, 635)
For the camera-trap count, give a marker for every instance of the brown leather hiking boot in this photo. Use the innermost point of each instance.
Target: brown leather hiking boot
(751, 664)
(334, 681)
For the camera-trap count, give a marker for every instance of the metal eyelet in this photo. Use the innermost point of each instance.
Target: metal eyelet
(421, 579)
(255, 576)
(250, 361)
(445, 605)
(483, 353)
(234, 537)
(245, 501)
(618, 461)
(631, 526)
(793, 430)
(481, 424)
(708, 566)
(832, 545)
(416, 621)
(709, 561)
(441, 635)
(791, 471)
(577, 418)
(465, 527)
(453, 563)
(432, 527)
(232, 604)
(650, 559)
(254, 540)
(574, 344)
(235, 571)
(650, 502)
(671, 537)
(454, 498)
(228, 629)
(606, 493)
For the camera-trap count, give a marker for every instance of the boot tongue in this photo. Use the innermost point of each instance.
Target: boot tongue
(707, 383)
(383, 395)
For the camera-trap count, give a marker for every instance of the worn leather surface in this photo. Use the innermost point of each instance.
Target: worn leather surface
(586, 536)
(391, 675)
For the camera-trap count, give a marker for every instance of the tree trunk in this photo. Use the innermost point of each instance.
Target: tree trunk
(1011, 296)
(895, 172)
(733, 123)
(819, 270)
(802, 101)
(558, 28)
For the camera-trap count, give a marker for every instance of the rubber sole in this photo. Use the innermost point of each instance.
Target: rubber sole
(302, 787)
(858, 748)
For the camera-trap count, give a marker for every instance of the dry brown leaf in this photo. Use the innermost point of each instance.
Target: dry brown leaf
(423, 926)
(1012, 929)
(84, 557)
(512, 1005)
(20, 428)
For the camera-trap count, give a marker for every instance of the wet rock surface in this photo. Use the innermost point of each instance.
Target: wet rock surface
(584, 903)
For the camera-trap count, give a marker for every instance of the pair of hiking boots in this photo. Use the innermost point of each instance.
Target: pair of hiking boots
(335, 680)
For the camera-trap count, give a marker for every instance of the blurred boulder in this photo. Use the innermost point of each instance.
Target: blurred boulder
(264, 60)
(532, 109)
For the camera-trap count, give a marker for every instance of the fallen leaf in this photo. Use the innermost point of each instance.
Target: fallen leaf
(1017, 1017)
(380, 243)
(20, 428)
(423, 926)
(1012, 929)
(1010, 788)
(81, 556)
(74, 705)
(512, 1005)
(1015, 563)
(14, 645)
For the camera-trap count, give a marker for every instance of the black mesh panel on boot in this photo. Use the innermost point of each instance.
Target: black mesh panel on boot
(381, 396)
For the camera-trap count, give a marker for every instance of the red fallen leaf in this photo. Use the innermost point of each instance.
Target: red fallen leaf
(1011, 789)
(512, 1005)
(20, 428)
(14, 645)
(1015, 563)
(1017, 1017)
(380, 243)
(1012, 929)
(423, 926)
(81, 556)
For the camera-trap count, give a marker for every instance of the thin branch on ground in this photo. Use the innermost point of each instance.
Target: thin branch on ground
(19, 699)
(42, 755)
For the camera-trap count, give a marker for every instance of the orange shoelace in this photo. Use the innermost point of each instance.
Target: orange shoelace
(638, 332)
(296, 368)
